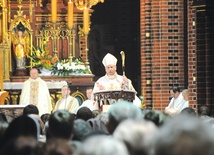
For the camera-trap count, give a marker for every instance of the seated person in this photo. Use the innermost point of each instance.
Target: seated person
(178, 103)
(30, 109)
(89, 102)
(67, 102)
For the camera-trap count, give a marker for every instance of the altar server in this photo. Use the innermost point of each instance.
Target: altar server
(67, 102)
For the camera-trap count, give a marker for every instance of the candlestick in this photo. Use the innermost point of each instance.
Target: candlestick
(86, 20)
(70, 14)
(54, 10)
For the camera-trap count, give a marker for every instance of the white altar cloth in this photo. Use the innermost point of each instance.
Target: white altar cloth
(19, 85)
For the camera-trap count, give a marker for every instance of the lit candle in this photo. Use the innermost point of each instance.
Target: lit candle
(86, 20)
(54, 10)
(70, 14)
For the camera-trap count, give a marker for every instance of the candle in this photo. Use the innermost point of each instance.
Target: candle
(70, 14)
(85, 20)
(54, 10)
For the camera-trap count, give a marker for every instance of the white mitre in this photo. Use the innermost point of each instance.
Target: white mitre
(109, 59)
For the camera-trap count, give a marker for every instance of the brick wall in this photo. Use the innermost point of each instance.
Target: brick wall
(162, 49)
(192, 59)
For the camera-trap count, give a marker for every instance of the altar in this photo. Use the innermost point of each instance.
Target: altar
(18, 85)
(53, 41)
(77, 84)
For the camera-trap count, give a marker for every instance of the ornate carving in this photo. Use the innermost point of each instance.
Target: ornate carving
(112, 96)
(80, 4)
(14, 97)
(20, 17)
(79, 96)
(115, 94)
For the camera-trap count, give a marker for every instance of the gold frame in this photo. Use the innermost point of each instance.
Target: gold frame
(80, 95)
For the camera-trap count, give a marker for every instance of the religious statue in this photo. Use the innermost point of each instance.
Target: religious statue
(20, 41)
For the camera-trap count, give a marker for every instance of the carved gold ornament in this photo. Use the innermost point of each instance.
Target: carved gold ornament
(80, 4)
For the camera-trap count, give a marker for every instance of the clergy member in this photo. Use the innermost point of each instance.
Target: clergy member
(177, 102)
(89, 102)
(67, 102)
(113, 81)
(35, 91)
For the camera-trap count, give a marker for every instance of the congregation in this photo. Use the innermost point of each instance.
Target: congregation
(124, 129)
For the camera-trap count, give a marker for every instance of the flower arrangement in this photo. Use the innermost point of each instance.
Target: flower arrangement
(66, 67)
(40, 57)
(42, 60)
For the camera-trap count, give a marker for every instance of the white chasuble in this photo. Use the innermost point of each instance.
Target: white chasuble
(36, 92)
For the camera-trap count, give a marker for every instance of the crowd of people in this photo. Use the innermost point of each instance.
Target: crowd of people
(124, 129)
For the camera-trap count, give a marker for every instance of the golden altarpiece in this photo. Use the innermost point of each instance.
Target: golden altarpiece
(66, 27)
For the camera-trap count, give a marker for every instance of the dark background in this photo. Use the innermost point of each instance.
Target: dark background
(115, 27)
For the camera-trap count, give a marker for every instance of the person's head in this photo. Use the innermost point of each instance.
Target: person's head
(98, 124)
(65, 90)
(34, 74)
(22, 126)
(45, 117)
(111, 69)
(110, 62)
(30, 109)
(135, 134)
(185, 94)
(188, 111)
(152, 116)
(101, 144)
(120, 111)
(60, 124)
(84, 113)
(203, 110)
(184, 135)
(89, 92)
(175, 91)
(82, 130)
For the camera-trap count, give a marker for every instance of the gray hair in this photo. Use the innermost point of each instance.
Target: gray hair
(120, 111)
(185, 91)
(102, 145)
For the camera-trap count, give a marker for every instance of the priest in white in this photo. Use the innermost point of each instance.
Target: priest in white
(35, 91)
(113, 81)
(67, 102)
(177, 103)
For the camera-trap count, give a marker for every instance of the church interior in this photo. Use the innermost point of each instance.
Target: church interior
(167, 43)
